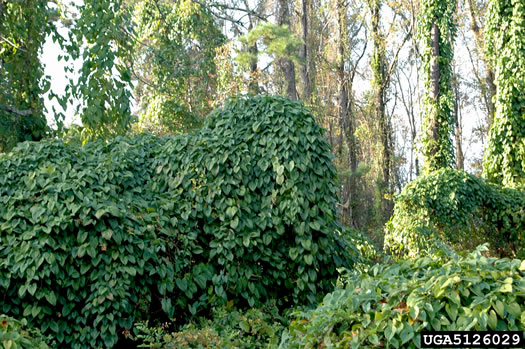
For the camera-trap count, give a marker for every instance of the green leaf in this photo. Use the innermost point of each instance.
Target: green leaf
(308, 259)
(100, 213)
(234, 222)
(245, 326)
(51, 298)
(493, 320)
(500, 308)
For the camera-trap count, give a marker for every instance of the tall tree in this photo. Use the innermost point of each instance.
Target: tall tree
(174, 64)
(23, 28)
(304, 53)
(504, 160)
(380, 82)
(101, 38)
(437, 31)
(488, 88)
(347, 121)
(286, 66)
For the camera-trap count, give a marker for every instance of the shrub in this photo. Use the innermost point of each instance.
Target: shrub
(15, 334)
(227, 328)
(367, 253)
(242, 211)
(460, 210)
(391, 304)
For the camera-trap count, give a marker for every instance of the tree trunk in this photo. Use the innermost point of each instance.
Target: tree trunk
(305, 67)
(380, 84)
(435, 77)
(346, 121)
(460, 163)
(285, 64)
(253, 86)
(489, 91)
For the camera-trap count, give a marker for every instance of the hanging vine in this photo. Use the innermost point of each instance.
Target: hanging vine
(505, 155)
(23, 28)
(101, 36)
(437, 31)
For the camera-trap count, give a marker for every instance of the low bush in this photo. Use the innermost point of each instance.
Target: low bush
(391, 304)
(227, 327)
(15, 334)
(460, 210)
(94, 237)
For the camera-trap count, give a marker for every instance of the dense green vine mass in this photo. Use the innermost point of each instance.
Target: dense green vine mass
(459, 209)
(391, 304)
(242, 211)
(504, 160)
(438, 118)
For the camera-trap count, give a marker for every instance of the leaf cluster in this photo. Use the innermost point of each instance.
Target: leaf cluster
(458, 209)
(15, 334)
(391, 304)
(227, 327)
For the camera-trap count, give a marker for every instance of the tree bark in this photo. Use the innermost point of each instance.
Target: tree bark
(346, 121)
(460, 163)
(380, 84)
(305, 67)
(285, 64)
(435, 77)
(489, 91)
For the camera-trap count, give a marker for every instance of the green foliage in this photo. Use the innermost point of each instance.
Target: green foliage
(437, 148)
(227, 328)
(242, 211)
(459, 209)
(278, 41)
(255, 213)
(391, 304)
(15, 334)
(367, 252)
(101, 37)
(504, 160)
(174, 62)
(23, 28)
(80, 249)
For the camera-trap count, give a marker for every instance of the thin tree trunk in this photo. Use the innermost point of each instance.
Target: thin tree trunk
(380, 84)
(254, 83)
(460, 164)
(490, 89)
(435, 77)
(285, 64)
(347, 124)
(305, 67)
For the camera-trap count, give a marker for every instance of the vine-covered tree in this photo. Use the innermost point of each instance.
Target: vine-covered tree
(174, 64)
(23, 28)
(100, 37)
(437, 32)
(505, 156)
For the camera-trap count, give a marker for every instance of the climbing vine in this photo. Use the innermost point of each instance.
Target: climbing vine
(23, 28)
(437, 31)
(505, 156)
(101, 37)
